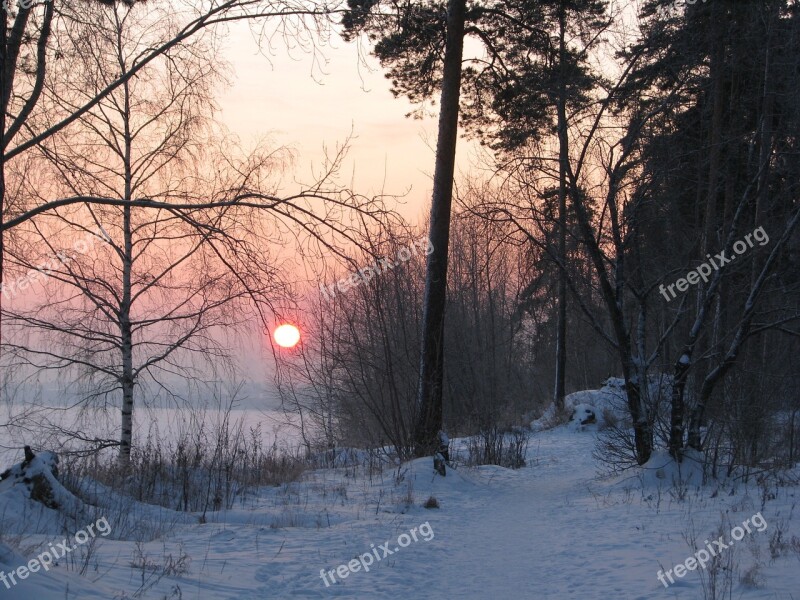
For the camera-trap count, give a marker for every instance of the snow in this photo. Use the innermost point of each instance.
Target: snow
(610, 398)
(583, 416)
(554, 529)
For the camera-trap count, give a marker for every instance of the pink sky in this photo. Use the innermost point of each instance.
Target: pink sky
(284, 103)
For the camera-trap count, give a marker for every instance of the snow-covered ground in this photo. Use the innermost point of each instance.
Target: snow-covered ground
(553, 529)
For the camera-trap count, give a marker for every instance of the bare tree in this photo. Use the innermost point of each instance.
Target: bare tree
(30, 35)
(173, 259)
(354, 382)
(356, 379)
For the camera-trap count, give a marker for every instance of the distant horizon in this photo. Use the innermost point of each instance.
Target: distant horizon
(251, 397)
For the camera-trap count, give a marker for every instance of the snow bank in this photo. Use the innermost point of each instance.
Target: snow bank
(662, 469)
(587, 408)
(31, 493)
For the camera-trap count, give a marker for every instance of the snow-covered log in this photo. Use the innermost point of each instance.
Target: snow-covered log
(38, 472)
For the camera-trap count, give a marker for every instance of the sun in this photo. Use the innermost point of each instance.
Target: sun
(286, 336)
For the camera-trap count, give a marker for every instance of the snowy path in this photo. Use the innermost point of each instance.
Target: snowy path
(533, 540)
(530, 534)
(550, 530)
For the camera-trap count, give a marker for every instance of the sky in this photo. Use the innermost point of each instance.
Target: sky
(294, 102)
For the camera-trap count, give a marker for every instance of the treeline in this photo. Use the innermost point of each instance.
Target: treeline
(641, 220)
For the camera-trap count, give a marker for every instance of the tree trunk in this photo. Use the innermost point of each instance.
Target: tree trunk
(613, 300)
(11, 39)
(642, 431)
(5, 84)
(682, 368)
(678, 404)
(127, 379)
(126, 333)
(429, 399)
(563, 157)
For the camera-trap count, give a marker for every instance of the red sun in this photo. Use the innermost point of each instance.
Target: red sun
(286, 336)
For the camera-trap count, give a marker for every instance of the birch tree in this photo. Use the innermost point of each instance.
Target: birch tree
(30, 34)
(181, 224)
